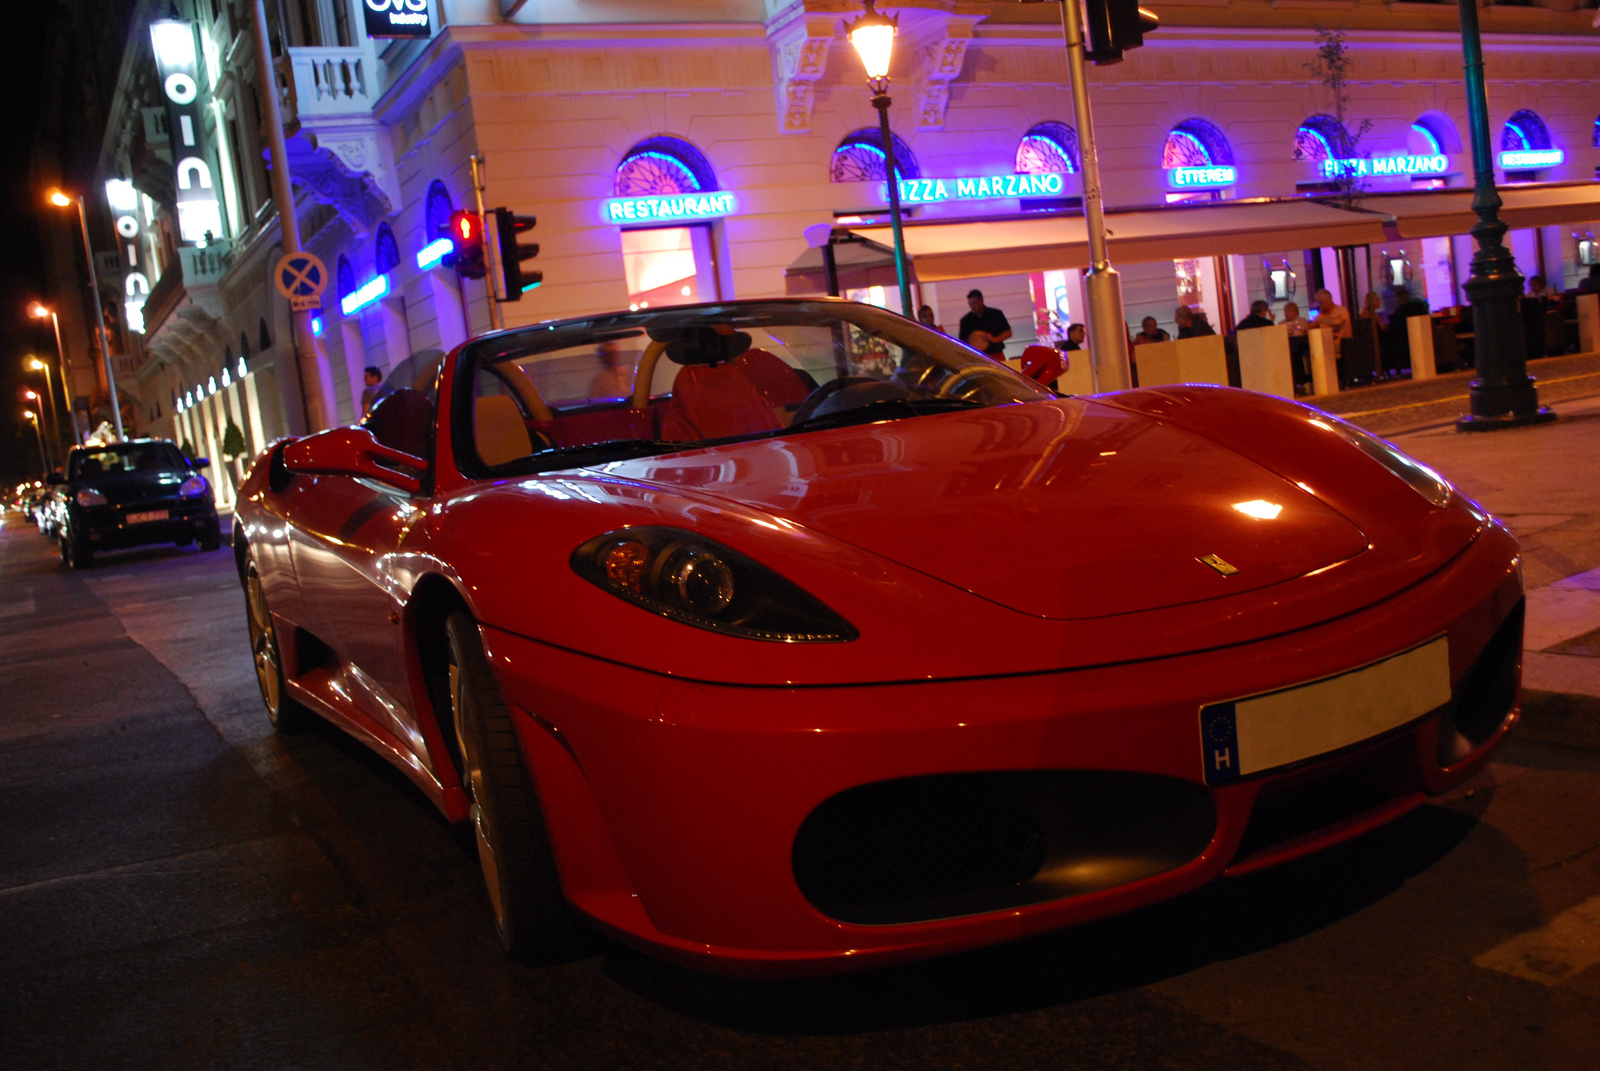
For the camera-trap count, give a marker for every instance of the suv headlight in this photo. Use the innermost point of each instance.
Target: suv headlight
(90, 497)
(194, 485)
(699, 582)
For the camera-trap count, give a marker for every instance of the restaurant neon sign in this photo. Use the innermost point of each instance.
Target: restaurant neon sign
(678, 206)
(1209, 177)
(1388, 165)
(1529, 159)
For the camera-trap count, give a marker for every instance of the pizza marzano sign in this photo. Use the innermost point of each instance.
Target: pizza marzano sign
(396, 18)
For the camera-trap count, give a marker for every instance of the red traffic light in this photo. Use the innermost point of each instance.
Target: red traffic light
(466, 230)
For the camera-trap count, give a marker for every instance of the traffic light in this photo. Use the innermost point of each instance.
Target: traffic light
(466, 230)
(506, 254)
(1114, 26)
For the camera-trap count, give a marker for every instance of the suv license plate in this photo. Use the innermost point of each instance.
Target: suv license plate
(149, 515)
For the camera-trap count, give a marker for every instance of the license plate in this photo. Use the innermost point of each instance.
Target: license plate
(148, 515)
(1263, 732)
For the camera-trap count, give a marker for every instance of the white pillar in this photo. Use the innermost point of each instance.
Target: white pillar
(258, 434)
(1588, 323)
(1324, 360)
(355, 363)
(1419, 332)
(445, 288)
(396, 333)
(1264, 361)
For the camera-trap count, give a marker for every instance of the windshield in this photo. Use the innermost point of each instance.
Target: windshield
(119, 458)
(646, 382)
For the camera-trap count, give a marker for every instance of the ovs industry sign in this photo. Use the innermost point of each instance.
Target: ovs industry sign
(177, 63)
(396, 18)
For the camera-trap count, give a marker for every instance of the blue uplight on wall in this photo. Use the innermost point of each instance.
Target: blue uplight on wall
(431, 254)
(364, 295)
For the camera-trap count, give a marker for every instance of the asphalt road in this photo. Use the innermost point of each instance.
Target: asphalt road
(181, 889)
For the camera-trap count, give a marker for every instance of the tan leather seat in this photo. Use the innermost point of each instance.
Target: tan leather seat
(499, 430)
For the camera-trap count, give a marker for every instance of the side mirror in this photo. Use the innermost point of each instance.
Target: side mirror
(352, 452)
(55, 477)
(200, 463)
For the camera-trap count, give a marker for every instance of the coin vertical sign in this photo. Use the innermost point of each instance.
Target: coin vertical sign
(301, 277)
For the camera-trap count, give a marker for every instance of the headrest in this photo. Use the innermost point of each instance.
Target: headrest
(403, 421)
(701, 345)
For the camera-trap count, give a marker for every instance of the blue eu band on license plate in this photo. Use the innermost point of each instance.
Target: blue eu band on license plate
(1264, 732)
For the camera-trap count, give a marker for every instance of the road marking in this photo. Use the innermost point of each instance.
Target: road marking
(1564, 946)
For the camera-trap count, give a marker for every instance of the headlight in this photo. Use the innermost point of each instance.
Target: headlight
(1427, 483)
(194, 485)
(90, 497)
(691, 579)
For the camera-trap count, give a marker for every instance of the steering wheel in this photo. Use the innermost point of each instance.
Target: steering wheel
(848, 392)
(965, 381)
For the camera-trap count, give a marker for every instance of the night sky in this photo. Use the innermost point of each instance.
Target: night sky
(22, 211)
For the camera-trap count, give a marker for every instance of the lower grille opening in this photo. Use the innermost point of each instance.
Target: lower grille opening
(945, 845)
(1486, 694)
(1286, 811)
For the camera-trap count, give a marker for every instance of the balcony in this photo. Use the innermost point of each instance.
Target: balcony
(205, 266)
(326, 82)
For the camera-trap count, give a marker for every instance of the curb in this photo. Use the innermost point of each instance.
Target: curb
(1560, 719)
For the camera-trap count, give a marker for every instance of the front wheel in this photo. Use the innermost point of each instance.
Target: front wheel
(531, 918)
(75, 554)
(284, 713)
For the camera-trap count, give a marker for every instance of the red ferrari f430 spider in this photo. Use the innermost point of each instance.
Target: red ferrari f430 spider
(779, 637)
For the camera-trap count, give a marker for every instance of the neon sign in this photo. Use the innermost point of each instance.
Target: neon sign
(124, 201)
(984, 187)
(431, 254)
(370, 291)
(678, 206)
(397, 18)
(1388, 165)
(178, 65)
(1529, 159)
(1202, 178)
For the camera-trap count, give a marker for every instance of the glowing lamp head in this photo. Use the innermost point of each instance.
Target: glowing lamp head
(35, 365)
(29, 414)
(30, 395)
(872, 35)
(59, 199)
(37, 311)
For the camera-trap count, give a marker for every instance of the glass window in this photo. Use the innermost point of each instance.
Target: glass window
(121, 458)
(638, 383)
(668, 266)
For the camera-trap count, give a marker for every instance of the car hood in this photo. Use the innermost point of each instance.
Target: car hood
(125, 487)
(1066, 509)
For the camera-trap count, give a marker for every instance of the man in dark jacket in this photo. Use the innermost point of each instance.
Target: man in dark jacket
(1192, 324)
(983, 318)
(1260, 316)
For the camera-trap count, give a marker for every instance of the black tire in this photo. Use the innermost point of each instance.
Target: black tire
(209, 541)
(286, 715)
(75, 554)
(531, 917)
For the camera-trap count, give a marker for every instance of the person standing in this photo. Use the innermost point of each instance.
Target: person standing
(991, 321)
(1074, 339)
(372, 391)
(1299, 346)
(926, 318)
(1260, 316)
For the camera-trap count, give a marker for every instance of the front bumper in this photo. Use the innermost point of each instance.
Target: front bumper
(108, 527)
(674, 807)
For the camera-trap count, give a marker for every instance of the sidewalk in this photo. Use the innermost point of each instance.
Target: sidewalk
(1544, 483)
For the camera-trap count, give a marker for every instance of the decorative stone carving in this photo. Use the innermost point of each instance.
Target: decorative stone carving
(347, 169)
(938, 63)
(799, 58)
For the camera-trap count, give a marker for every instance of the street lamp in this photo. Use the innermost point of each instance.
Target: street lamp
(873, 37)
(61, 200)
(1503, 395)
(39, 312)
(33, 364)
(31, 396)
(44, 465)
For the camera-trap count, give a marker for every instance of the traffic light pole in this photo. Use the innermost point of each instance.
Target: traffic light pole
(495, 322)
(1108, 326)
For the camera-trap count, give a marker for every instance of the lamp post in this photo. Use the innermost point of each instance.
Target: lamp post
(39, 312)
(61, 200)
(873, 37)
(32, 398)
(44, 465)
(33, 364)
(1503, 395)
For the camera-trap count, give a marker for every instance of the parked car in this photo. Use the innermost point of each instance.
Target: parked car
(132, 493)
(779, 637)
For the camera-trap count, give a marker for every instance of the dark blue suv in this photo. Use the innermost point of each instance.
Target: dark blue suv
(127, 494)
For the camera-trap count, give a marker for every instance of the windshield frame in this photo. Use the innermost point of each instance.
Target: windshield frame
(493, 348)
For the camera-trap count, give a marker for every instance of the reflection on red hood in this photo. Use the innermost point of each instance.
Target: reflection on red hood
(1064, 509)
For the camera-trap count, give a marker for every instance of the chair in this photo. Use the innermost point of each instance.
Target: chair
(712, 397)
(499, 431)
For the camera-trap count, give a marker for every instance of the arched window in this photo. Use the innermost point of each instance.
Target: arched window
(1524, 131)
(1321, 137)
(1195, 143)
(662, 166)
(859, 158)
(344, 276)
(1048, 148)
(436, 211)
(244, 345)
(264, 336)
(386, 251)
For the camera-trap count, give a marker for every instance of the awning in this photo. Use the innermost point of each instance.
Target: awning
(1436, 213)
(970, 249)
(860, 264)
